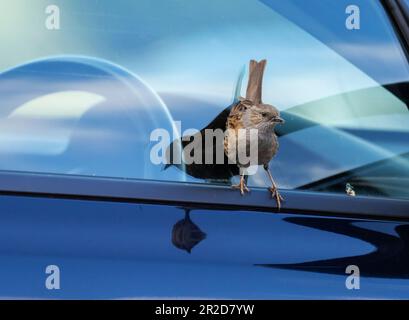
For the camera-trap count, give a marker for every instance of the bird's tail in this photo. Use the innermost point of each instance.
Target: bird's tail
(255, 85)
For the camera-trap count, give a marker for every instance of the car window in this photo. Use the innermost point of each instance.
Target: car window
(85, 84)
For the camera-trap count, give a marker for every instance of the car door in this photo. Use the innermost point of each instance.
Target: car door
(86, 211)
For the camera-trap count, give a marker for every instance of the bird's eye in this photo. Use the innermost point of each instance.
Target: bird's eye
(264, 114)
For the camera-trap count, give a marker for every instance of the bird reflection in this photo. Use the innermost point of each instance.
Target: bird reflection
(185, 234)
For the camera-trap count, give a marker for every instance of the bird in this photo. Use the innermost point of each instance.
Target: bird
(250, 113)
(243, 113)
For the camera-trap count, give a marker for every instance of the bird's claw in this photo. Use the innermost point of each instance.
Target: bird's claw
(277, 196)
(242, 187)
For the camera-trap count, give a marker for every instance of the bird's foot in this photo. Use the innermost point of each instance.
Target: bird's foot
(277, 196)
(241, 186)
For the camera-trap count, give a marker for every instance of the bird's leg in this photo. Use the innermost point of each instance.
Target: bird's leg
(242, 186)
(273, 189)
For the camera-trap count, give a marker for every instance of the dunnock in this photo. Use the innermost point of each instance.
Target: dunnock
(251, 113)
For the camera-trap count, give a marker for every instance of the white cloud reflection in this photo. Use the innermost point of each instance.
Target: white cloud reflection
(59, 105)
(39, 132)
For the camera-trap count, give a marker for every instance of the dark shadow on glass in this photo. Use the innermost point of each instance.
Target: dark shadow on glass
(214, 172)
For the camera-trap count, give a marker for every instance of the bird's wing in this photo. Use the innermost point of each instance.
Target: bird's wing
(234, 121)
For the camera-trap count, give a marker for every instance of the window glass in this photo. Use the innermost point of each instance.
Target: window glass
(85, 84)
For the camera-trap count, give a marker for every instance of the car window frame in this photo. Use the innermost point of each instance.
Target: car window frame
(197, 194)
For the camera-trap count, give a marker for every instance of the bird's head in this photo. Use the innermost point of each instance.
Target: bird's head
(261, 115)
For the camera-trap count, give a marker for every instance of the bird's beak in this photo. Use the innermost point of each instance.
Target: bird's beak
(278, 120)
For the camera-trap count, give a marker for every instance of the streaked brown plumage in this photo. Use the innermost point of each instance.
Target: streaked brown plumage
(251, 113)
(245, 113)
